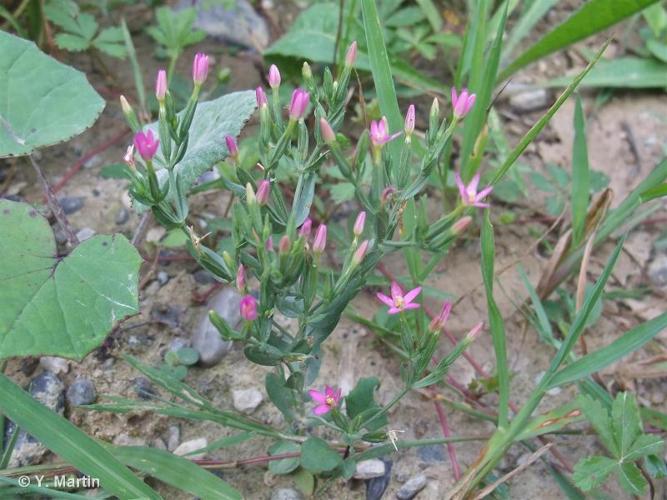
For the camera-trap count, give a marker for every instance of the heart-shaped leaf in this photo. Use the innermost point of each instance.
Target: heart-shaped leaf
(42, 102)
(60, 306)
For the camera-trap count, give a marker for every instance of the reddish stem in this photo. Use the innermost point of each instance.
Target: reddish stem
(446, 431)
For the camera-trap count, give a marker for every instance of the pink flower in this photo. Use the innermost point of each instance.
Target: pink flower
(320, 241)
(399, 302)
(248, 308)
(306, 227)
(463, 103)
(469, 195)
(274, 77)
(298, 104)
(146, 144)
(200, 68)
(351, 54)
(359, 224)
(380, 132)
(260, 95)
(161, 85)
(240, 278)
(232, 147)
(263, 192)
(409, 126)
(326, 401)
(438, 323)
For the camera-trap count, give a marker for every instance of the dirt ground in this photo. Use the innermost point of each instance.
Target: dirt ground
(625, 138)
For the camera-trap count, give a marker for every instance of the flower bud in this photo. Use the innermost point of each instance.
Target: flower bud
(269, 244)
(248, 308)
(320, 242)
(240, 279)
(360, 253)
(474, 332)
(461, 225)
(125, 106)
(306, 72)
(327, 132)
(200, 68)
(161, 85)
(359, 224)
(232, 147)
(260, 95)
(409, 122)
(387, 194)
(274, 77)
(438, 322)
(146, 144)
(250, 197)
(284, 245)
(298, 104)
(263, 192)
(351, 55)
(435, 109)
(306, 227)
(129, 157)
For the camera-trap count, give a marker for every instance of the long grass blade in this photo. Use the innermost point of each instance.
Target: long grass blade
(580, 176)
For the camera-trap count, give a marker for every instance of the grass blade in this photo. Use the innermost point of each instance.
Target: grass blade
(596, 361)
(526, 22)
(176, 471)
(136, 69)
(65, 439)
(594, 16)
(580, 176)
(543, 324)
(496, 325)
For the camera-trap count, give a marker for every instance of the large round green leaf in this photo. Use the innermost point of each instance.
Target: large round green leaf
(42, 101)
(60, 306)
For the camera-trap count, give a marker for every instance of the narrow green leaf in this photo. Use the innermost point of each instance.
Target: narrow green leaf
(580, 176)
(593, 16)
(596, 361)
(63, 438)
(543, 324)
(622, 72)
(496, 324)
(176, 471)
(656, 192)
(535, 11)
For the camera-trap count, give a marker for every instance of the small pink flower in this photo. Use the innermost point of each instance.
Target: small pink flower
(380, 132)
(298, 104)
(462, 103)
(274, 77)
(248, 308)
(232, 147)
(438, 323)
(320, 241)
(469, 195)
(146, 144)
(305, 229)
(359, 224)
(351, 54)
(240, 278)
(409, 126)
(260, 95)
(263, 192)
(161, 85)
(200, 68)
(399, 302)
(326, 401)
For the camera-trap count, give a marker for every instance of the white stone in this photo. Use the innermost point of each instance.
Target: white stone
(54, 365)
(187, 447)
(246, 400)
(368, 469)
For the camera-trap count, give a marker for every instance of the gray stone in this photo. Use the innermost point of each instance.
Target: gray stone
(530, 100)
(246, 400)
(162, 278)
(122, 216)
(85, 234)
(368, 469)
(54, 365)
(71, 204)
(376, 486)
(189, 446)
(412, 486)
(173, 437)
(81, 392)
(49, 390)
(124, 439)
(205, 338)
(240, 24)
(432, 453)
(144, 388)
(657, 270)
(286, 494)
(204, 277)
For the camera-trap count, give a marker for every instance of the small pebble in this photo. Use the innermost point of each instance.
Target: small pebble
(431, 453)
(54, 365)
(81, 392)
(122, 216)
(204, 277)
(286, 494)
(246, 400)
(85, 233)
(144, 388)
(368, 469)
(205, 338)
(162, 278)
(412, 486)
(173, 437)
(125, 439)
(657, 270)
(376, 486)
(71, 204)
(189, 446)
(530, 100)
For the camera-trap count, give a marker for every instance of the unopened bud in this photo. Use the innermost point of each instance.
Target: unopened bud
(387, 194)
(229, 260)
(232, 147)
(125, 106)
(263, 192)
(306, 227)
(351, 54)
(274, 77)
(250, 197)
(435, 109)
(129, 157)
(320, 242)
(240, 279)
(327, 132)
(461, 225)
(360, 253)
(474, 332)
(161, 85)
(284, 245)
(269, 244)
(306, 72)
(358, 228)
(409, 127)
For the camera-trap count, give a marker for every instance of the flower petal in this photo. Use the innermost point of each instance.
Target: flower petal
(321, 410)
(410, 296)
(393, 310)
(396, 290)
(461, 186)
(412, 305)
(484, 192)
(384, 299)
(474, 182)
(317, 396)
(479, 204)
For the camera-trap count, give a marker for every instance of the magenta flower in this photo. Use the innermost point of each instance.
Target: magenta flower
(260, 95)
(232, 147)
(399, 302)
(320, 241)
(438, 323)
(462, 103)
(359, 224)
(161, 85)
(380, 132)
(274, 77)
(469, 195)
(200, 68)
(146, 144)
(263, 192)
(298, 104)
(326, 401)
(409, 126)
(351, 54)
(248, 308)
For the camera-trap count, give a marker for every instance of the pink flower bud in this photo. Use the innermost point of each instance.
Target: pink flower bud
(461, 225)
(269, 244)
(146, 144)
(125, 106)
(463, 103)
(274, 77)
(360, 253)
(232, 147)
(359, 224)
(263, 192)
(351, 54)
(409, 122)
(298, 104)
(320, 239)
(438, 323)
(129, 157)
(306, 227)
(248, 308)
(240, 279)
(387, 194)
(284, 244)
(161, 85)
(474, 332)
(260, 95)
(200, 68)
(327, 132)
